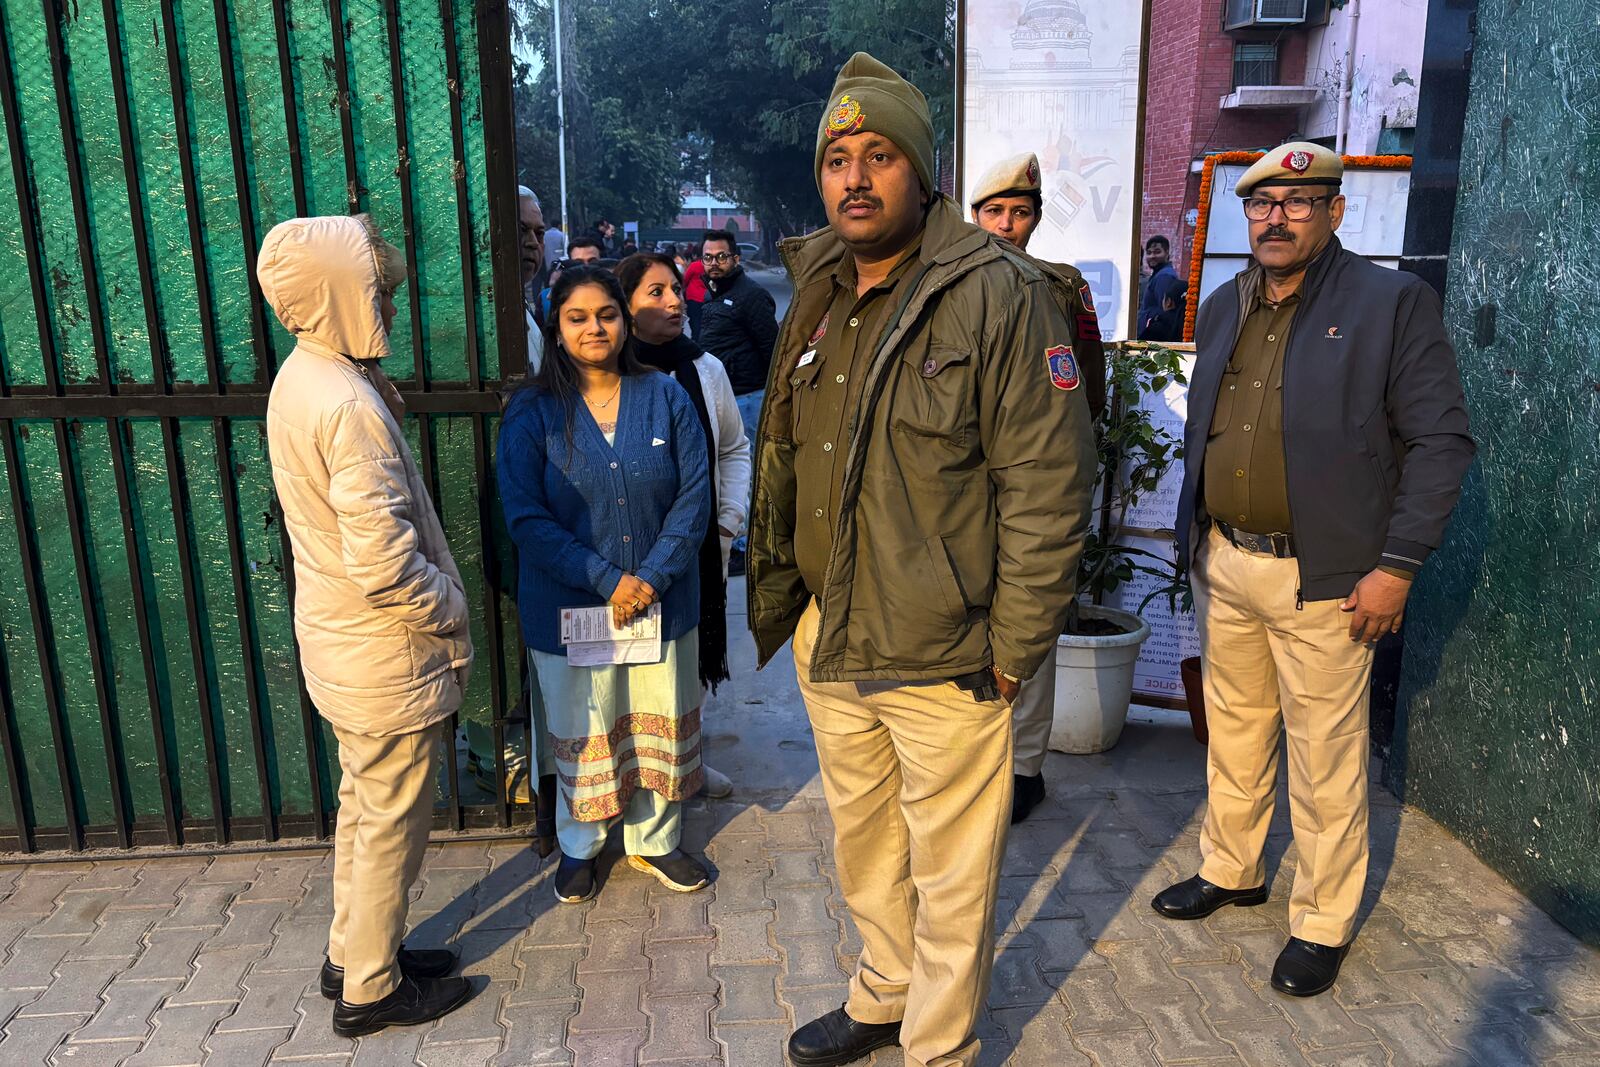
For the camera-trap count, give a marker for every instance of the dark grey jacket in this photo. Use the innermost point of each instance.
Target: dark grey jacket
(1374, 422)
(739, 325)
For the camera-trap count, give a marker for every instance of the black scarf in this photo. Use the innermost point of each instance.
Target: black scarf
(677, 357)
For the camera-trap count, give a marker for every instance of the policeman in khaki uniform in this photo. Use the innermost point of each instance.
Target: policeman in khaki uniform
(922, 487)
(1325, 447)
(1007, 202)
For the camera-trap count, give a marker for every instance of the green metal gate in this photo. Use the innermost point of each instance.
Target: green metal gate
(148, 674)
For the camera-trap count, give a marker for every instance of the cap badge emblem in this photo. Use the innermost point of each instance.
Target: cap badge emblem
(1033, 173)
(1298, 161)
(845, 118)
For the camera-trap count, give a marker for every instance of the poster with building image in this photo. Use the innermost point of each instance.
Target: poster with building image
(1060, 78)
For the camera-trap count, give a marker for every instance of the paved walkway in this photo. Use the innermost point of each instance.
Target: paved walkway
(195, 960)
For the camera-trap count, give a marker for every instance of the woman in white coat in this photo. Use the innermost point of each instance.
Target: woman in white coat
(654, 289)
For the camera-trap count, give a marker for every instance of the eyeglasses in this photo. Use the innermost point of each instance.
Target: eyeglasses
(717, 257)
(1295, 208)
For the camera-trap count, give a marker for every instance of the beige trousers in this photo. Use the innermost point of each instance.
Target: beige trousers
(385, 810)
(916, 777)
(1270, 668)
(1033, 713)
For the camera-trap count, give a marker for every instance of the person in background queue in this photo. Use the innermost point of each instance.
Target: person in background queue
(605, 486)
(922, 494)
(1325, 447)
(694, 289)
(739, 325)
(380, 612)
(1006, 202)
(1162, 299)
(585, 250)
(531, 230)
(654, 291)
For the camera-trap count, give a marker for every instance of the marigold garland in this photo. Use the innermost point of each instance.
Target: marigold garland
(1197, 250)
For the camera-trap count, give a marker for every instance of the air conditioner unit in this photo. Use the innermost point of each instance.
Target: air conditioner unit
(1247, 14)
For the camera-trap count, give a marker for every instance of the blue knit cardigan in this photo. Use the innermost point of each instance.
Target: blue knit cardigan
(585, 515)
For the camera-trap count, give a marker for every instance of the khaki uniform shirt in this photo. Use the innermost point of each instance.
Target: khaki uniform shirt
(827, 396)
(1246, 484)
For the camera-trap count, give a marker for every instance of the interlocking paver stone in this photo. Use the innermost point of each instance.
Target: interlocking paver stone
(478, 1018)
(179, 1033)
(75, 989)
(679, 1029)
(605, 1049)
(118, 937)
(810, 960)
(126, 1011)
(535, 1034)
(230, 1047)
(34, 1039)
(749, 994)
(473, 1054)
(1125, 1049)
(34, 959)
(679, 967)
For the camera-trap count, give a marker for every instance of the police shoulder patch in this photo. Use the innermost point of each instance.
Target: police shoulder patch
(1063, 367)
(1088, 297)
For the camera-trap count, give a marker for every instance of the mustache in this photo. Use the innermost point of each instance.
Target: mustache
(858, 198)
(1275, 231)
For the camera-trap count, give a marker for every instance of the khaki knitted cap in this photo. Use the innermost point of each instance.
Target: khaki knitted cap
(869, 97)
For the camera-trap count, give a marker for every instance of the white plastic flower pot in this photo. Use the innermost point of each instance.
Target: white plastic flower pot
(1094, 683)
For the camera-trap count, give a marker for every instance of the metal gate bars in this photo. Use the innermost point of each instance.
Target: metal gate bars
(149, 681)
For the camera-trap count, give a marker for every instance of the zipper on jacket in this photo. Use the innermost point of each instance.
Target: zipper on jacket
(1299, 599)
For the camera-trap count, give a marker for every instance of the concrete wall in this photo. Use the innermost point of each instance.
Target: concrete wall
(1388, 65)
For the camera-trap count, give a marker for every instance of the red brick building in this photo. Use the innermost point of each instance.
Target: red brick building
(1195, 64)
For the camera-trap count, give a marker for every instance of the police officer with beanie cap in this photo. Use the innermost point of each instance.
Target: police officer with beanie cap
(1324, 451)
(922, 492)
(1007, 202)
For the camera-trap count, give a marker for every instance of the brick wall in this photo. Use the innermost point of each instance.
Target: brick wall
(1191, 70)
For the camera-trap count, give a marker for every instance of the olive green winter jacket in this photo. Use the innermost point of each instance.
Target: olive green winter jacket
(967, 478)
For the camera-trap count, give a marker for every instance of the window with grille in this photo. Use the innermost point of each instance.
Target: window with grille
(1255, 63)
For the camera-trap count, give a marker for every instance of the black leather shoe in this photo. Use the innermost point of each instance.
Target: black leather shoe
(1196, 898)
(1028, 790)
(576, 880)
(417, 963)
(837, 1039)
(1305, 968)
(415, 1000)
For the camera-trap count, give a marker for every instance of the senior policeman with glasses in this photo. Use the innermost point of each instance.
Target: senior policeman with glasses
(1325, 448)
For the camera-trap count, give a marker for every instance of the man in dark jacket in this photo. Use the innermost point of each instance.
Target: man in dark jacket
(738, 325)
(1162, 291)
(1325, 448)
(922, 493)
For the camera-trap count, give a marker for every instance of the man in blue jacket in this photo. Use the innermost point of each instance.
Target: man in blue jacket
(1324, 451)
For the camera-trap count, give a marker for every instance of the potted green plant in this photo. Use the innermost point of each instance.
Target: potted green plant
(1099, 645)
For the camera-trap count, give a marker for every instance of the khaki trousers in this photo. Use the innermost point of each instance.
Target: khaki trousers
(916, 779)
(1034, 713)
(385, 810)
(1270, 668)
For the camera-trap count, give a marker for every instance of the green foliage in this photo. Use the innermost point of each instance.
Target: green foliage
(659, 91)
(1134, 455)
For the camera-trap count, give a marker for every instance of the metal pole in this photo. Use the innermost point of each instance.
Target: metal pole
(708, 200)
(561, 122)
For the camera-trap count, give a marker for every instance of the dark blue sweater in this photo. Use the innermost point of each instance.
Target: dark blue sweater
(584, 516)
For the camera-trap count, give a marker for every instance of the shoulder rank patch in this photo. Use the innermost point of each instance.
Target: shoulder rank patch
(1088, 297)
(822, 330)
(845, 118)
(1063, 367)
(1088, 327)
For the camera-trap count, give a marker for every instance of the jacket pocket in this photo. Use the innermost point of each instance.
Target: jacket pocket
(934, 396)
(803, 385)
(955, 602)
(1380, 448)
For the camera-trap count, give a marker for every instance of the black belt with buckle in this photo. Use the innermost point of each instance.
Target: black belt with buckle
(1273, 544)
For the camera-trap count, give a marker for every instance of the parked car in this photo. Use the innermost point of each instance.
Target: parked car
(749, 251)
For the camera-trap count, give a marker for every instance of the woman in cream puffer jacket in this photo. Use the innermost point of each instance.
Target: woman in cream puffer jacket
(380, 611)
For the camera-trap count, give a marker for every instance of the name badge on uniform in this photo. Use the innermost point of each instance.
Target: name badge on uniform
(728, 301)
(807, 359)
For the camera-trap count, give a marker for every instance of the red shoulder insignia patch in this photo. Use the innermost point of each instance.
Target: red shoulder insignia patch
(1063, 367)
(1088, 297)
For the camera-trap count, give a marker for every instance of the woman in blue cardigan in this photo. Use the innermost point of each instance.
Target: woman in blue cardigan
(605, 484)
